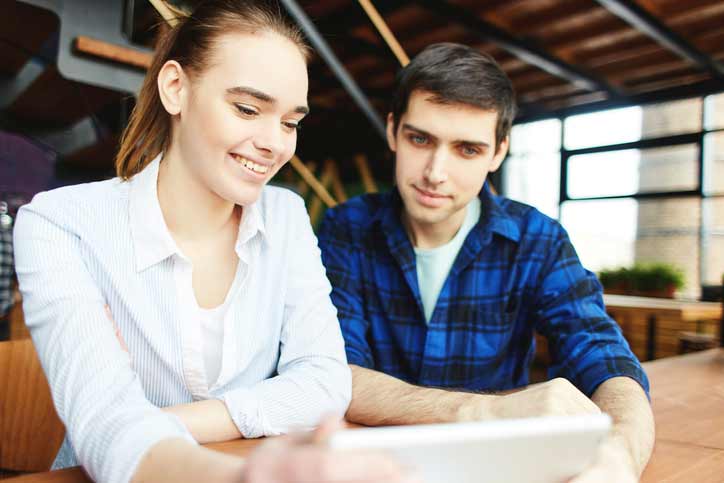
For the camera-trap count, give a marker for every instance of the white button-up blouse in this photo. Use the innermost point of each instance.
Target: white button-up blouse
(81, 247)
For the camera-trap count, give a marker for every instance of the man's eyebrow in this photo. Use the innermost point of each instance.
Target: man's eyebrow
(410, 127)
(262, 96)
(457, 141)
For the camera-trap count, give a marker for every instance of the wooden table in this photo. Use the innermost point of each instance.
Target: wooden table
(688, 401)
(687, 395)
(652, 326)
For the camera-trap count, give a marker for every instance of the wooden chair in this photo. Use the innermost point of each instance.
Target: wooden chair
(704, 339)
(30, 431)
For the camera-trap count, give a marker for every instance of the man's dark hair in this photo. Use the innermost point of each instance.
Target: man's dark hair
(456, 73)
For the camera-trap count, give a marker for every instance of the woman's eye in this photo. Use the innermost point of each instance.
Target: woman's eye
(247, 111)
(293, 126)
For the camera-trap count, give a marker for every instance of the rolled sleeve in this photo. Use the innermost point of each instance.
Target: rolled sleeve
(313, 376)
(99, 398)
(341, 259)
(586, 345)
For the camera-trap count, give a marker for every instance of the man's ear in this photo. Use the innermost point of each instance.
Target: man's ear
(391, 140)
(171, 86)
(500, 154)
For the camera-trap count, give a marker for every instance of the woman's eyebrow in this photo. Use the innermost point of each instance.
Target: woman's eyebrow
(261, 96)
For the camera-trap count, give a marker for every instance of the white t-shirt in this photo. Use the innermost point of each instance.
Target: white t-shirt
(434, 264)
(212, 340)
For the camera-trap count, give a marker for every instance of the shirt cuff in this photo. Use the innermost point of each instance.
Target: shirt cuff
(596, 374)
(245, 409)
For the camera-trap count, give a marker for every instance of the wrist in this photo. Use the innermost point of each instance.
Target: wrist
(615, 454)
(474, 407)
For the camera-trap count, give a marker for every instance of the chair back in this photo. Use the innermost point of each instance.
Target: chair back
(30, 431)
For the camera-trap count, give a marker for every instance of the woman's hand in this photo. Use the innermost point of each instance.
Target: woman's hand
(306, 458)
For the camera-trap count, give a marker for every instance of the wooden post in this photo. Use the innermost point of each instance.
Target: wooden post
(112, 52)
(385, 31)
(303, 186)
(337, 186)
(318, 187)
(365, 173)
(168, 15)
(315, 206)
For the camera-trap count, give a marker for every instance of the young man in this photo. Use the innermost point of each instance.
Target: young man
(441, 284)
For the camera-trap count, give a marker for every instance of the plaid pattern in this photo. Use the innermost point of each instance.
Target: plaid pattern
(516, 273)
(7, 271)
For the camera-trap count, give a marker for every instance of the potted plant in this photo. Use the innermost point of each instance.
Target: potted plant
(647, 280)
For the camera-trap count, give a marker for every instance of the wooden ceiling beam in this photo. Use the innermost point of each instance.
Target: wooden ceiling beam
(524, 49)
(647, 23)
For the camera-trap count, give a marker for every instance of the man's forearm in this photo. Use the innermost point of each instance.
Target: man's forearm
(208, 421)
(633, 422)
(379, 399)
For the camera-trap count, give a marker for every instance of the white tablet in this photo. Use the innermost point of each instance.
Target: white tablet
(533, 450)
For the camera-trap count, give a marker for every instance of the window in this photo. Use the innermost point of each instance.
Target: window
(601, 128)
(641, 184)
(631, 171)
(714, 163)
(532, 170)
(714, 112)
(713, 241)
(602, 231)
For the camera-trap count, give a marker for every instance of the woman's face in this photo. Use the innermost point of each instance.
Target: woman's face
(237, 120)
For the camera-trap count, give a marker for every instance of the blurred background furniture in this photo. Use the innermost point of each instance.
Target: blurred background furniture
(30, 431)
(654, 326)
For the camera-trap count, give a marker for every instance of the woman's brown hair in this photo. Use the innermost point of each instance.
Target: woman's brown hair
(190, 43)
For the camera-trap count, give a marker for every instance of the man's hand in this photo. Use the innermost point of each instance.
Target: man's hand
(305, 458)
(557, 397)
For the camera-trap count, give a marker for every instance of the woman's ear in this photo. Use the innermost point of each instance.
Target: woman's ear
(171, 86)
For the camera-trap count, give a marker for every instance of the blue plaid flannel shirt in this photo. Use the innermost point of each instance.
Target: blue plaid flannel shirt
(516, 273)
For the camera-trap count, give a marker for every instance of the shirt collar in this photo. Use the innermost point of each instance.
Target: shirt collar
(152, 241)
(494, 218)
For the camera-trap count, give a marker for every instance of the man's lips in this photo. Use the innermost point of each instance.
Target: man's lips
(430, 193)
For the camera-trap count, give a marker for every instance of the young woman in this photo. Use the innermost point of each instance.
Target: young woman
(184, 302)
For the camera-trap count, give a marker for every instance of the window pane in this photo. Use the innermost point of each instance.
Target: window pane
(534, 179)
(531, 174)
(668, 231)
(633, 123)
(615, 233)
(713, 249)
(677, 117)
(715, 111)
(714, 163)
(601, 128)
(630, 171)
(536, 137)
(603, 231)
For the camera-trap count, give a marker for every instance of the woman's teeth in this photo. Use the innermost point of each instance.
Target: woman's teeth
(251, 165)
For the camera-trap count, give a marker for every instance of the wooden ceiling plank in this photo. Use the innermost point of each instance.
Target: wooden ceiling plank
(519, 47)
(644, 21)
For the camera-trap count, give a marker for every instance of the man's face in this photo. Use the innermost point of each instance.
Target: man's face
(443, 154)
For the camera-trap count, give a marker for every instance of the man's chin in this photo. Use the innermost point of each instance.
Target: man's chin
(428, 216)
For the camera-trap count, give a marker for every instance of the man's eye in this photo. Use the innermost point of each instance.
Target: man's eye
(418, 139)
(247, 111)
(468, 151)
